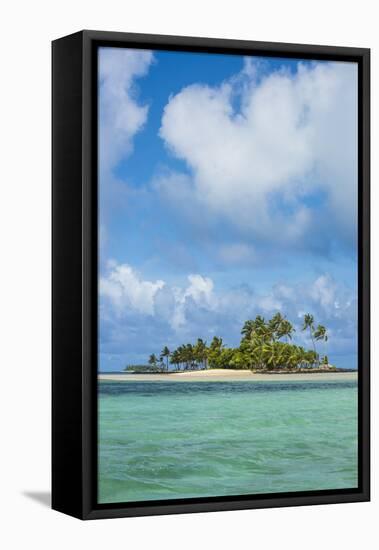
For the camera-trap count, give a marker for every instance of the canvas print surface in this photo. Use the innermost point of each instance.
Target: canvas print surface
(227, 275)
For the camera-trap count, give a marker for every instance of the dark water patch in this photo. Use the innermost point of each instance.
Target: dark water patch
(216, 388)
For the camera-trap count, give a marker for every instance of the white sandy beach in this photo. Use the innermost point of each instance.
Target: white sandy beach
(219, 375)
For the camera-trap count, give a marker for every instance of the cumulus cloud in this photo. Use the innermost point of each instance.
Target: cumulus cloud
(120, 114)
(292, 135)
(132, 307)
(126, 290)
(199, 293)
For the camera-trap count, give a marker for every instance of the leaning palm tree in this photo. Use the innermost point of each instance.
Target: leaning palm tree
(153, 359)
(255, 348)
(321, 334)
(253, 355)
(274, 325)
(248, 329)
(295, 358)
(285, 329)
(175, 358)
(189, 356)
(271, 352)
(309, 323)
(200, 352)
(262, 330)
(302, 357)
(166, 353)
(181, 356)
(311, 358)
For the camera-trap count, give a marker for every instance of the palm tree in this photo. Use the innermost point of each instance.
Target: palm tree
(271, 354)
(189, 356)
(274, 325)
(175, 358)
(180, 355)
(166, 353)
(261, 329)
(285, 329)
(153, 359)
(239, 360)
(200, 352)
(310, 358)
(256, 351)
(248, 329)
(302, 356)
(309, 323)
(214, 352)
(321, 334)
(260, 348)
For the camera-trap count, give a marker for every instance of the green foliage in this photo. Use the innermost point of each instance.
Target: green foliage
(153, 360)
(142, 369)
(261, 348)
(165, 353)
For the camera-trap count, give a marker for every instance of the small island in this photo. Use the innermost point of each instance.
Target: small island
(266, 348)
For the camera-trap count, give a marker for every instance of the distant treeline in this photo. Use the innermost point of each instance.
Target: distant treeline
(261, 348)
(143, 368)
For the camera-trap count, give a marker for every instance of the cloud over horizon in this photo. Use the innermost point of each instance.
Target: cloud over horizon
(199, 308)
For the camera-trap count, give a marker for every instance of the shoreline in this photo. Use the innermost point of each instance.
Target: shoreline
(230, 375)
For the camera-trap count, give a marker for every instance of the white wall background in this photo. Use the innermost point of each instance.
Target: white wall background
(26, 31)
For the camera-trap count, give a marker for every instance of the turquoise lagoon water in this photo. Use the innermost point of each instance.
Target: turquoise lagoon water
(163, 440)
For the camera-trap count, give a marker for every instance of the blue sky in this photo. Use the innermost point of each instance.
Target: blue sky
(227, 189)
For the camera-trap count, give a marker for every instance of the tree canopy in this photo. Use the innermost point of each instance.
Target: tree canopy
(265, 345)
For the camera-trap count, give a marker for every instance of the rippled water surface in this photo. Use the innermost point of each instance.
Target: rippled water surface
(162, 440)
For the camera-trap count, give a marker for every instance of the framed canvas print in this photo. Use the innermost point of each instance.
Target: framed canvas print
(210, 274)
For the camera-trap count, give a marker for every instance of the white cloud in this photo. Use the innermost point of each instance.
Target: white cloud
(121, 117)
(127, 291)
(200, 289)
(199, 292)
(294, 134)
(120, 114)
(198, 308)
(323, 291)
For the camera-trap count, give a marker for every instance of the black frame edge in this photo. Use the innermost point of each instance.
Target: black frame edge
(195, 42)
(364, 283)
(67, 386)
(169, 509)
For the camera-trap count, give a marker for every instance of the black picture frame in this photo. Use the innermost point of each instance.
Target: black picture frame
(74, 274)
